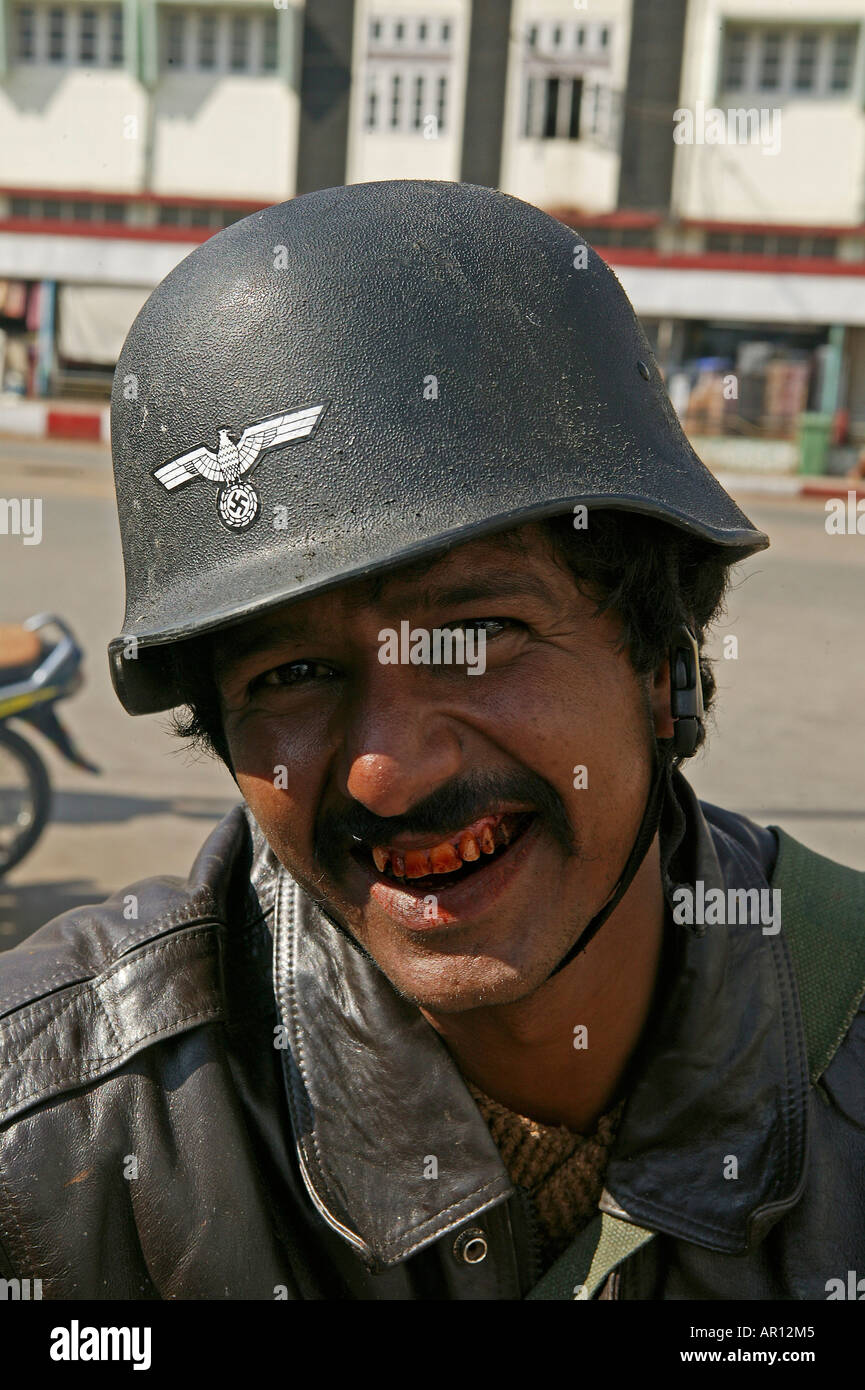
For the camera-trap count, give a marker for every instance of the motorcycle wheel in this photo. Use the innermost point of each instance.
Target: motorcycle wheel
(25, 798)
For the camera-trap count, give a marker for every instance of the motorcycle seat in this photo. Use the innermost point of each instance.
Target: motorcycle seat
(20, 650)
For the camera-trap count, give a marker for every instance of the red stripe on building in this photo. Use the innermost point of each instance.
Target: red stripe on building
(73, 424)
(112, 230)
(729, 260)
(95, 195)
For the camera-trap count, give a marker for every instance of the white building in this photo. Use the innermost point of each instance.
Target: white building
(408, 88)
(128, 133)
(712, 150)
(565, 95)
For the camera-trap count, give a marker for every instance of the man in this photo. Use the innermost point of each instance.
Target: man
(472, 999)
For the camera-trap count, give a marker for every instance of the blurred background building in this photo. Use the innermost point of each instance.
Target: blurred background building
(130, 132)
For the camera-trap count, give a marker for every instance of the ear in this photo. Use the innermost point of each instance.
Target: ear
(661, 707)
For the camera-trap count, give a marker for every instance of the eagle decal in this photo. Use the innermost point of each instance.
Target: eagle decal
(237, 502)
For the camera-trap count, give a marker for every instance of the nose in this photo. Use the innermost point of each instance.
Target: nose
(398, 749)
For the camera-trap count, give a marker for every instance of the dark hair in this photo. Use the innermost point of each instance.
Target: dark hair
(654, 575)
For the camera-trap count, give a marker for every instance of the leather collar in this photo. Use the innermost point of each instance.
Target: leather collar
(394, 1152)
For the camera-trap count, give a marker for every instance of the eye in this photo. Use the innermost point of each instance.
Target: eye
(292, 673)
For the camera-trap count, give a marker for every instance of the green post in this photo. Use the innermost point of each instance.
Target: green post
(832, 371)
(815, 427)
(814, 431)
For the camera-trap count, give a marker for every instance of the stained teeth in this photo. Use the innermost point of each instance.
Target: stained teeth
(417, 863)
(485, 837)
(502, 833)
(444, 859)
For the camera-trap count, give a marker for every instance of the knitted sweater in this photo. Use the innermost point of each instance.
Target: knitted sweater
(563, 1172)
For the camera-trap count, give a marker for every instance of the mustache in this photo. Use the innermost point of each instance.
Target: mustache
(448, 808)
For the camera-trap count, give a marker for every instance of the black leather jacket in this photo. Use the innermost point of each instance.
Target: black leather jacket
(206, 1092)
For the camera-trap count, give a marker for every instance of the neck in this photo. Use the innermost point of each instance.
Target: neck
(526, 1054)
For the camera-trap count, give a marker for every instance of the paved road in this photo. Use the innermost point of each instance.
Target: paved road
(152, 806)
(788, 746)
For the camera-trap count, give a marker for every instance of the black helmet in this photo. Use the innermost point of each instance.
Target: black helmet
(359, 376)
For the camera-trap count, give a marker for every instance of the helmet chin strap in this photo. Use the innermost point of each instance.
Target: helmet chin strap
(661, 766)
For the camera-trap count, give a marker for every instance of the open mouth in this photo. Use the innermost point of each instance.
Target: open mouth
(448, 862)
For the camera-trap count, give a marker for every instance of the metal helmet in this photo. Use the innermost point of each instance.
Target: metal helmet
(360, 376)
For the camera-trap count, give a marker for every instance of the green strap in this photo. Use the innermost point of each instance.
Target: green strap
(584, 1266)
(823, 921)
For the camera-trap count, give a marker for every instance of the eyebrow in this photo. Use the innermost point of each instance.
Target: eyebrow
(234, 648)
(496, 584)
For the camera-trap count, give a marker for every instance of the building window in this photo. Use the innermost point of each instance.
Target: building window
(441, 102)
(219, 41)
(115, 41)
(87, 36)
(843, 50)
(533, 36)
(597, 94)
(760, 244)
(404, 89)
(802, 61)
(824, 246)
(26, 34)
(418, 102)
(175, 33)
(770, 63)
(56, 36)
(753, 244)
(734, 61)
(638, 236)
(72, 35)
(561, 73)
(239, 43)
(576, 104)
(207, 41)
(270, 40)
(551, 107)
(806, 61)
(375, 29)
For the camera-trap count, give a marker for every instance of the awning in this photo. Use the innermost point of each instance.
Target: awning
(93, 320)
(739, 296)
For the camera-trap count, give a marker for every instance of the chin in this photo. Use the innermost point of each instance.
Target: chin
(462, 985)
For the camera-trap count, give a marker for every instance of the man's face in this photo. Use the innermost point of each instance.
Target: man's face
(436, 768)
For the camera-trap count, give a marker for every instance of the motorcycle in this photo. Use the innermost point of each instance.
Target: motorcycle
(40, 664)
